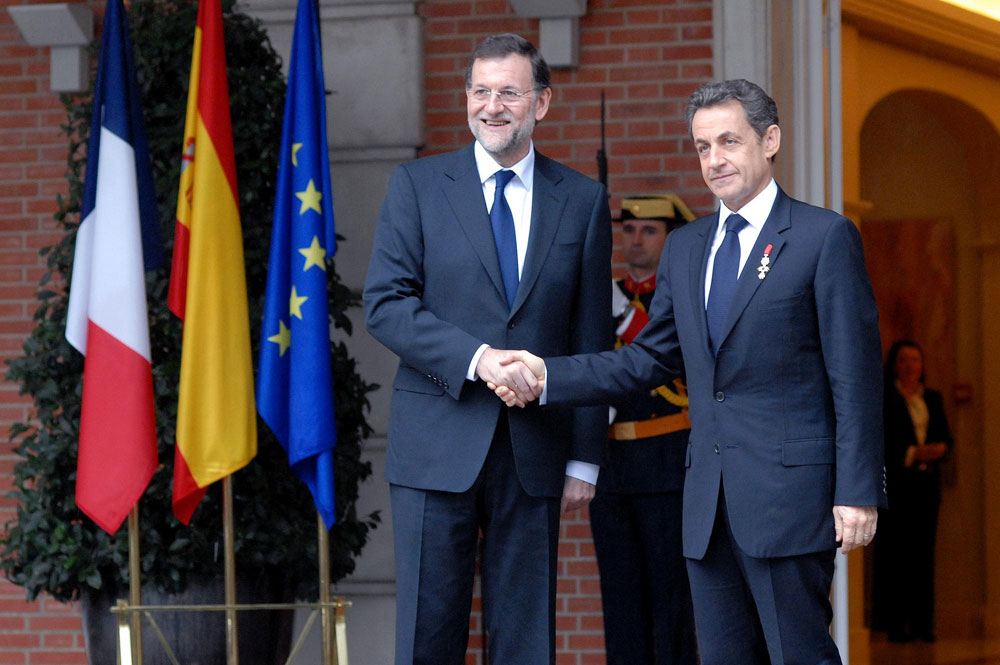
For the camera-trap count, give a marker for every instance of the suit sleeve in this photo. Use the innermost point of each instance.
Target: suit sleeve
(849, 337)
(394, 311)
(591, 330)
(651, 360)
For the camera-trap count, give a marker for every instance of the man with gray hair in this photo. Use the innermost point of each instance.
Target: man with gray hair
(766, 307)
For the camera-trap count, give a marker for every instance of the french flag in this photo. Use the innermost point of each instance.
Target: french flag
(118, 239)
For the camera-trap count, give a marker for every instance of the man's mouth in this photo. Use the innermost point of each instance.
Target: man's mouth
(498, 122)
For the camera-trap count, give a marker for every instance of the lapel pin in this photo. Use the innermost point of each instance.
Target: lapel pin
(765, 263)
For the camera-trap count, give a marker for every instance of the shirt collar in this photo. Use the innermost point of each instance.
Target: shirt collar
(487, 166)
(756, 211)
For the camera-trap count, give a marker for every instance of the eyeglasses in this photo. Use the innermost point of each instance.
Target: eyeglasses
(506, 96)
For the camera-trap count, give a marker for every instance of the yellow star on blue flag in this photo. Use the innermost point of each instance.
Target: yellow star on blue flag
(295, 381)
(310, 198)
(315, 255)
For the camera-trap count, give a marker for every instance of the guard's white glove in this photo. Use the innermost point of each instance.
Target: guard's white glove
(619, 301)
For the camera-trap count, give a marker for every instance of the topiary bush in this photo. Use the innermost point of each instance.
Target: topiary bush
(51, 546)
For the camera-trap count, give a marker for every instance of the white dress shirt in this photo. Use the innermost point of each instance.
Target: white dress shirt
(756, 213)
(518, 193)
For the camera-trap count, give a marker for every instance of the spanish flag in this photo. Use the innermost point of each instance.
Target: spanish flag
(216, 420)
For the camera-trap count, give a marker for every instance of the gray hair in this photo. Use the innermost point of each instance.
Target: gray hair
(496, 47)
(760, 110)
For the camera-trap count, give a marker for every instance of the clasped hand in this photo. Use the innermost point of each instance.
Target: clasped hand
(517, 377)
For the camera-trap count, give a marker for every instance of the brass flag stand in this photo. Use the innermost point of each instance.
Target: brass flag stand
(333, 621)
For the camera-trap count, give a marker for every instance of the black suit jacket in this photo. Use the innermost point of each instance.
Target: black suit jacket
(900, 435)
(434, 294)
(788, 414)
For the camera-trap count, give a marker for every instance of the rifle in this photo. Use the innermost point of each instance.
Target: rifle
(602, 157)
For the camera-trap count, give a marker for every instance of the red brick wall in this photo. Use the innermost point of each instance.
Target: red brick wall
(32, 167)
(647, 56)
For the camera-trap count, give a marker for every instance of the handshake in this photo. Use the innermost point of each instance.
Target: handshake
(517, 377)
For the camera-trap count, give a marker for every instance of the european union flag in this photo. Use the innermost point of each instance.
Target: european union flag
(295, 381)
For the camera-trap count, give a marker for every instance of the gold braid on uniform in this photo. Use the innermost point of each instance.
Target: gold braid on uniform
(678, 398)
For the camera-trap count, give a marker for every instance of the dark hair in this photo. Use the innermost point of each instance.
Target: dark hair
(761, 111)
(497, 47)
(890, 360)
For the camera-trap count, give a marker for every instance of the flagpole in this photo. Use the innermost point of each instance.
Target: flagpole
(323, 547)
(135, 583)
(232, 648)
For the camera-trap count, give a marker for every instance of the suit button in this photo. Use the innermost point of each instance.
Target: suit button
(720, 396)
(510, 326)
(716, 449)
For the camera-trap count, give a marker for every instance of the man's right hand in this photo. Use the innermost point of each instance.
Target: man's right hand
(509, 394)
(504, 369)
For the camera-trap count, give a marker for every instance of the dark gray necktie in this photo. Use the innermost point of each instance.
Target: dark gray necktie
(503, 233)
(725, 272)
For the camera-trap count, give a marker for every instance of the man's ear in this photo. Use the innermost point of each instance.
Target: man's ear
(771, 141)
(542, 107)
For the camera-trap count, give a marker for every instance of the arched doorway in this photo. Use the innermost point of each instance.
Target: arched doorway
(929, 164)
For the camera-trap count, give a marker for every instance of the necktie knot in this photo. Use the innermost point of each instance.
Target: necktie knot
(503, 177)
(735, 223)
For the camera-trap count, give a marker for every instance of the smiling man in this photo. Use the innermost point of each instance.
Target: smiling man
(493, 246)
(767, 309)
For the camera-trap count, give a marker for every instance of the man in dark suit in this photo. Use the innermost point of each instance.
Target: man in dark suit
(636, 515)
(486, 248)
(767, 308)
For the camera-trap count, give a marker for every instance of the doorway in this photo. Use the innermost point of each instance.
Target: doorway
(929, 164)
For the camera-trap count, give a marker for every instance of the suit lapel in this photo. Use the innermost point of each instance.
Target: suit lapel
(698, 270)
(464, 192)
(547, 203)
(749, 282)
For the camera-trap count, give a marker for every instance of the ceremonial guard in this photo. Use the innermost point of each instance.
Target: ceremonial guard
(636, 515)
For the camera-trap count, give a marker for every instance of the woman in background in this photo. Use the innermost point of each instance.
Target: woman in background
(917, 437)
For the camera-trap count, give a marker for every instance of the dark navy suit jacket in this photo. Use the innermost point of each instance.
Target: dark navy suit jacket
(434, 294)
(788, 414)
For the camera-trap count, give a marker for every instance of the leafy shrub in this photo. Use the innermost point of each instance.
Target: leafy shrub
(51, 546)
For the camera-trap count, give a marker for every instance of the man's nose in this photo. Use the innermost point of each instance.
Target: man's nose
(715, 156)
(493, 104)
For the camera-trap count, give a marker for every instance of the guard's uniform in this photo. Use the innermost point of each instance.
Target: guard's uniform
(636, 520)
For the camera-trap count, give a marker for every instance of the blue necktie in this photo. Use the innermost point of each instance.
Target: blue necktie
(503, 233)
(725, 272)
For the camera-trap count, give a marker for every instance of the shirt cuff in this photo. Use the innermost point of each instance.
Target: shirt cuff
(584, 471)
(471, 374)
(544, 397)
